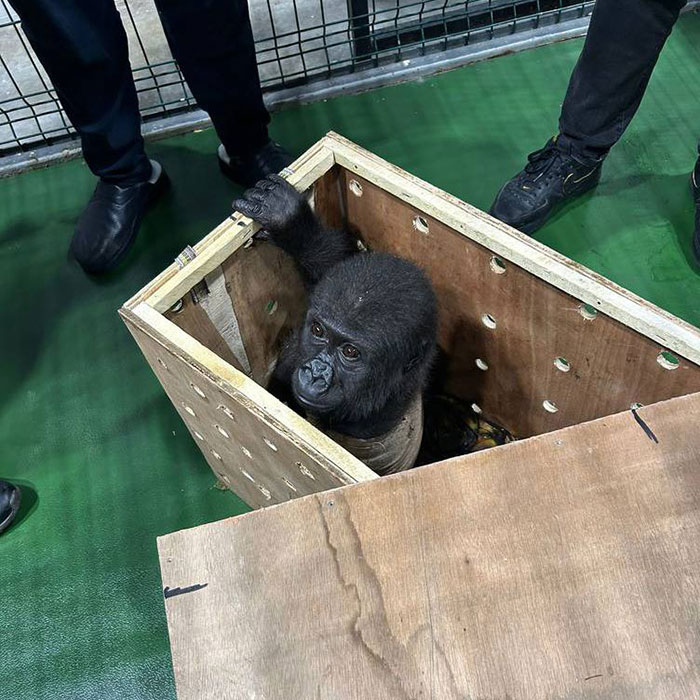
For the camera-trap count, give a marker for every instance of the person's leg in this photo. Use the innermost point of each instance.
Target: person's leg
(695, 182)
(212, 41)
(82, 46)
(621, 48)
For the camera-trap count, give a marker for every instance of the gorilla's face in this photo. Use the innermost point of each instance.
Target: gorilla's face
(333, 366)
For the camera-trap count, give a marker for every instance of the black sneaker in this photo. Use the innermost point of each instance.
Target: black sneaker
(271, 158)
(110, 221)
(549, 178)
(9, 504)
(695, 183)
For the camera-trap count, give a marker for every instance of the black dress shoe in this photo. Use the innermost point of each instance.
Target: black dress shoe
(695, 182)
(550, 177)
(9, 504)
(110, 221)
(271, 158)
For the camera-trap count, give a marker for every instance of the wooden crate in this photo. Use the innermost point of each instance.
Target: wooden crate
(536, 340)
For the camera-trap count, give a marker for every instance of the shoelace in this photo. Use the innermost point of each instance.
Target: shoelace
(541, 160)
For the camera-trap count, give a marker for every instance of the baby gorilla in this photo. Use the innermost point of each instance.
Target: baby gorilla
(358, 364)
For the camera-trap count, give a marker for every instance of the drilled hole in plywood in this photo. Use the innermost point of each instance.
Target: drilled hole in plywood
(355, 188)
(227, 411)
(222, 432)
(270, 444)
(197, 390)
(162, 364)
(189, 410)
(271, 307)
(420, 224)
(305, 471)
(476, 408)
(497, 265)
(489, 321)
(636, 405)
(562, 364)
(668, 360)
(246, 475)
(587, 311)
(216, 455)
(177, 307)
(246, 452)
(265, 492)
(289, 484)
(550, 406)
(481, 364)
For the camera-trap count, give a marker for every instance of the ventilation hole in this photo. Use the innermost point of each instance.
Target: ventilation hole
(497, 265)
(476, 408)
(587, 311)
(227, 411)
(264, 492)
(420, 224)
(271, 307)
(304, 470)
(162, 364)
(197, 390)
(270, 444)
(481, 364)
(489, 321)
(177, 307)
(246, 452)
(189, 410)
(290, 484)
(636, 405)
(198, 436)
(355, 188)
(246, 475)
(216, 455)
(549, 406)
(668, 360)
(222, 432)
(562, 364)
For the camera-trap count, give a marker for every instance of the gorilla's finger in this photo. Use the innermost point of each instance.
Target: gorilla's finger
(278, 179)
(266, 184)
(256, 195)
(247, 208)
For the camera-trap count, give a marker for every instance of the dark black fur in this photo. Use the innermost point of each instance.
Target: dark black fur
(381, 305)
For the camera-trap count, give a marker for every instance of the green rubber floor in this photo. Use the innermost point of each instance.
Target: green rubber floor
(104, 460)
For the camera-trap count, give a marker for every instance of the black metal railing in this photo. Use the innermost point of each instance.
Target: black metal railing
(298, 42)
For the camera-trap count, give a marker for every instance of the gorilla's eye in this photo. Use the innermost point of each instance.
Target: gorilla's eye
(317, 329)
(350, 351)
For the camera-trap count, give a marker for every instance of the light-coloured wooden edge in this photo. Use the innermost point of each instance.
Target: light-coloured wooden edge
(285, 421)
(518, 248)
(226, 238)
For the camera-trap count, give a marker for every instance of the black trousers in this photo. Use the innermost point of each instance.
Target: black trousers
(624, 41)
(83, 47)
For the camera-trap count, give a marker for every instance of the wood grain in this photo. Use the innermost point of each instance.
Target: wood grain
(563, 566)
(611, 366)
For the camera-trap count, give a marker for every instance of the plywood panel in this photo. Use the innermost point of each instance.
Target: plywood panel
(564, 566)
(610, 365)
(254, 456)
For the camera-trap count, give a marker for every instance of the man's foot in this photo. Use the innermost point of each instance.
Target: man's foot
(695, 182)
(110, 221)
(550, 178)
(9, 504)
(271, 158)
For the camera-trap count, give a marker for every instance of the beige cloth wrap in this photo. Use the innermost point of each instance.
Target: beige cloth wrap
(392, 452)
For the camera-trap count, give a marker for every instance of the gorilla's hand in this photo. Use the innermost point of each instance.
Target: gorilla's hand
(275, 205)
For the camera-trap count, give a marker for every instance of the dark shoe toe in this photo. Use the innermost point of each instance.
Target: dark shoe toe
(247, 170)
(10, 497)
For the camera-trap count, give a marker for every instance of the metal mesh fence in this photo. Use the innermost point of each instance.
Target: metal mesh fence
(298, 42)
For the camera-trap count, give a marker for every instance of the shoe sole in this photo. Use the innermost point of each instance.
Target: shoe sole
(159, 188)
(15, 500)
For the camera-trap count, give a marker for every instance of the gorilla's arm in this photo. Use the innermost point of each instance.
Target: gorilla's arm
(286, 215)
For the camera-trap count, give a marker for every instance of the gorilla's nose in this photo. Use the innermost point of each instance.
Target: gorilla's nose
(316, 376)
